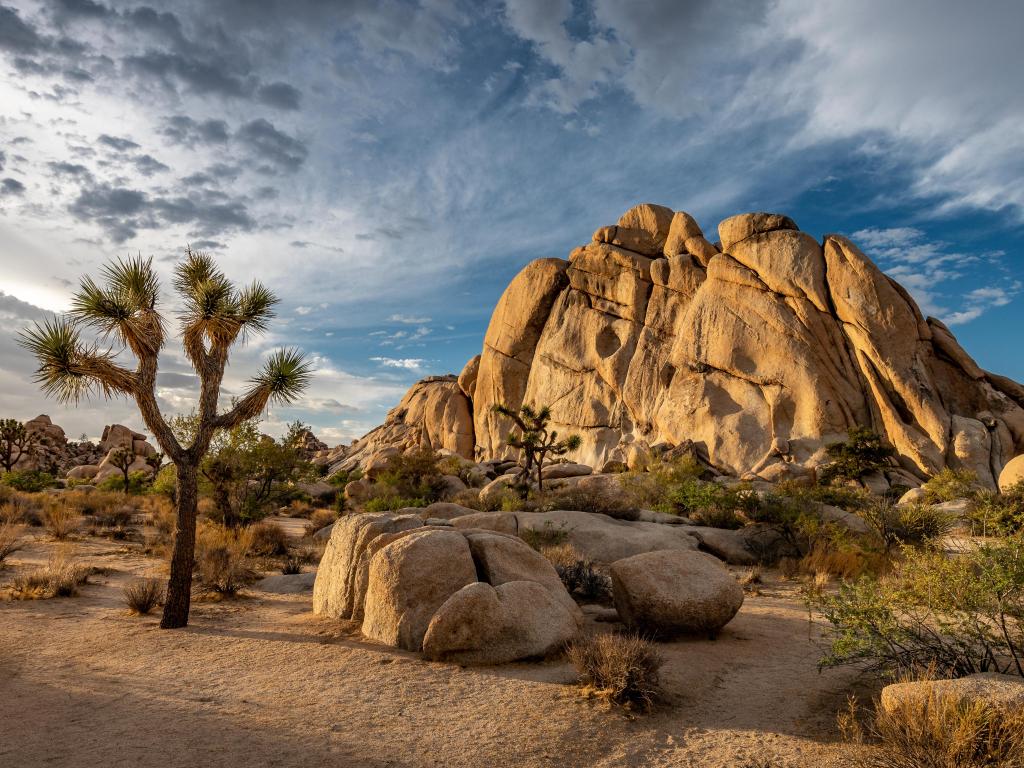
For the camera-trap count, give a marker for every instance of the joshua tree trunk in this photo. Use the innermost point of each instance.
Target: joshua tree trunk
(125, 473)
(179, 586)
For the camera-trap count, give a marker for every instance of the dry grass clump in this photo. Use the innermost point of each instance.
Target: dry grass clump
(596, 499)
(940, 731)
(61, 577)
(222, 566)
(581, 579)
(10, 539)
(143, 595)
(320, 518)
(267, 539)
(59, 519)
(300, 508)
(846, 563)
(620, 668)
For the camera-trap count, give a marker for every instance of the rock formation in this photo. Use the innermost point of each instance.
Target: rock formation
(761, 349)
(466, 595)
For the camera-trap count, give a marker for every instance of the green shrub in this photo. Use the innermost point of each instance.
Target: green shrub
(621, 668)
(138, 482)
(955, 615)
(166, 482)
(28, 482)
(949, 485)
(862, 453)
(391, 503)
(907, 524)
(411, 475)
(595, 499)
(850, 498)
(998, 514)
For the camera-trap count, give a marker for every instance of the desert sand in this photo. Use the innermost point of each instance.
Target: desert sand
(260, 681)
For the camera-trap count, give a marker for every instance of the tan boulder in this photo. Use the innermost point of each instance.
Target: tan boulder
(1012, 473)
(675, 592)
(337, 590)
(738, 228)
(989, 688)
(683, 227)
(655, 220)
(409, 579)
(484, 624)
(500, 559)
(503, 522)
(602, 539)
(467, 379)
(637, 240)
(83, 472)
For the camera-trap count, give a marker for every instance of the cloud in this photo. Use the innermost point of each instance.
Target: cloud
(405, 363)
(184, 130)
(122, 211)
(11, 186)
(410, 319)
(279, 95)
(284, 153)
(16, 35)
(148, 165)
(118, 143)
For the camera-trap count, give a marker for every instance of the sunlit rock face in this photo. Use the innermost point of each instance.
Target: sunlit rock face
(761, 348)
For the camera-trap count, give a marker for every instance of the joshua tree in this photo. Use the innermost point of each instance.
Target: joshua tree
(215, 314)
(534, 438)
(15, 442)
(123, 458)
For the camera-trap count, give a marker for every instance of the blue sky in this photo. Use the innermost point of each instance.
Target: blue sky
(387, 167)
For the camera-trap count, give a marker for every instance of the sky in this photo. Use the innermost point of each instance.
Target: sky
(387, 167)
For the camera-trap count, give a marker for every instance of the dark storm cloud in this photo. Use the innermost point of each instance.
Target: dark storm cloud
(283, 152)
(202, 77)
(73, 170)
(184, 130)
(3, 159)
(279, 95)
(11, 186)
(122, 211)
(118, 143)
(147, 165)
(16, 35)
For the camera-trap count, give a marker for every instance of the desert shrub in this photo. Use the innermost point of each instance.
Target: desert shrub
(940, 730)
(862, 453)
(957, 615)
(998, 514)
(166, 482)
(596, 499)
(548, 536)
(222, 564)
(391, 503)
(949, 485)
(292, 564)
(906, 524)
(60, 577)
(806, 493)
(138, 482)
(27, 482)
(343, 478)
(118, 517)
(621, 668)
(321, 518)
(10, 539)
(652, 488)
(411, 475)
(267, 538)
(584, 582)
(849, 560)
(143, 595)
(466, 472)
(59, 519)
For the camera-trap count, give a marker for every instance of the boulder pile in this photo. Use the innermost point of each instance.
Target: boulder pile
(117, 437)
(466, 595)
(761, 348)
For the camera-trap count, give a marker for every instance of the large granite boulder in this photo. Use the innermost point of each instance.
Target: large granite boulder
(675, 592)
(480, 596)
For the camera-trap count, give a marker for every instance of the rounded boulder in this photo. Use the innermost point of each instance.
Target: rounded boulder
(675, 592)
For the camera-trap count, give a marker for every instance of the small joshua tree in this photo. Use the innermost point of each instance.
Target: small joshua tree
(534, 439)
(215, 315)
(123, 458)
(15, 442)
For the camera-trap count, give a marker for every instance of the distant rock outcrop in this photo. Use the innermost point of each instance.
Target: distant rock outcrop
(761, 349)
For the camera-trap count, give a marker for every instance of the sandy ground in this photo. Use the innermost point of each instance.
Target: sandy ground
(259, 681)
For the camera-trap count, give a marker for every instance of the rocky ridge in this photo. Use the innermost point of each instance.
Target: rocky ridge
(759, 349)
